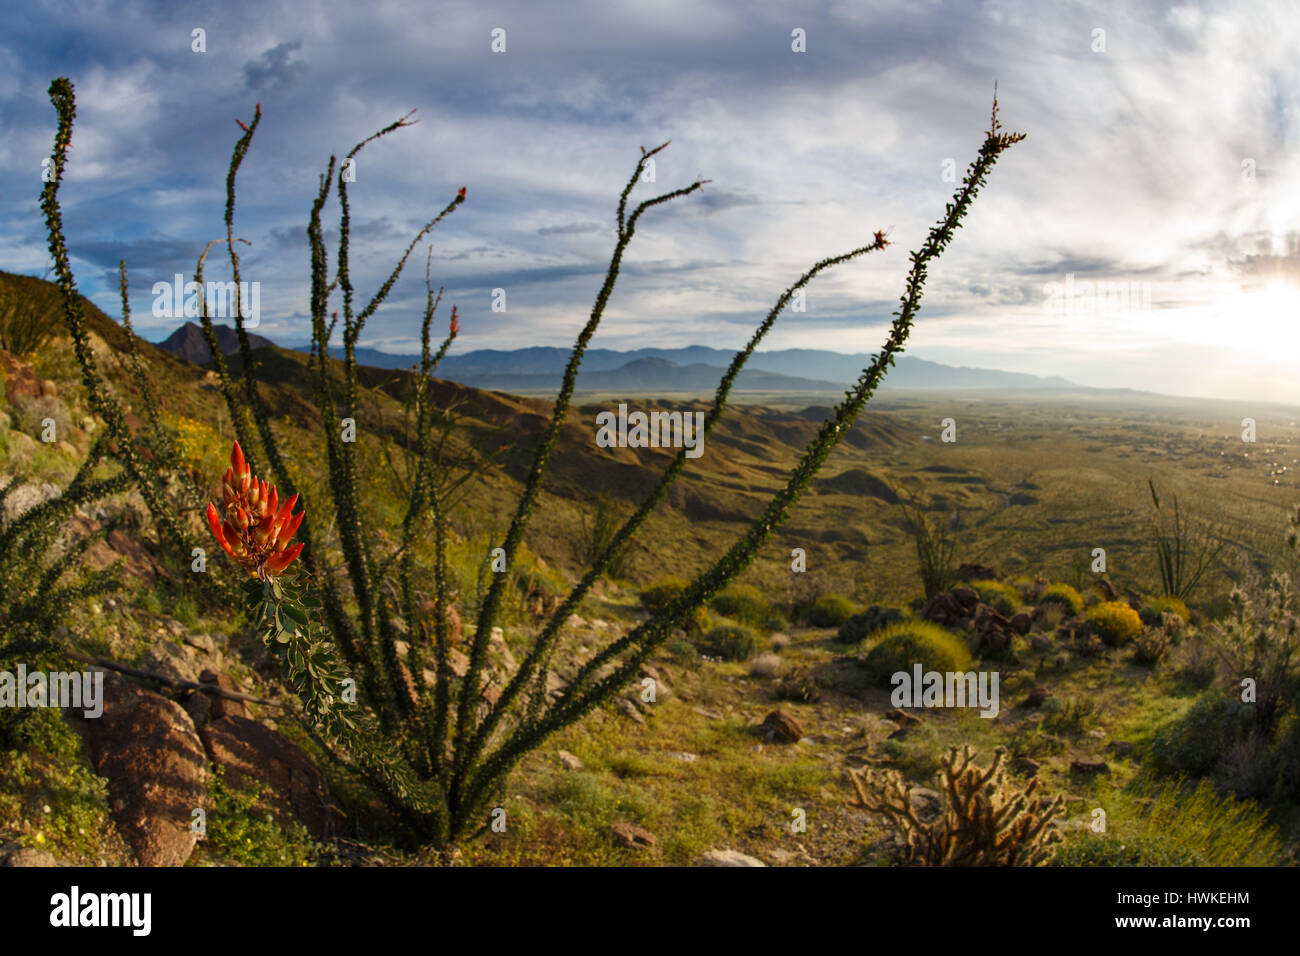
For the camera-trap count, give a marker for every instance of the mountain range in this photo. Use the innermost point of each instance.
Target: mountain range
(695, 368)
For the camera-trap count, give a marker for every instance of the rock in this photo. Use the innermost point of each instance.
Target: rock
(903, 718)
(30, 856)
(176, 661)
(630, 711)
(293, 786)
(19, 378)
(498, 648)
(28, 496)
(1107, 589)
(632, 836)
(1020, 623)
(204, 707)
(992, 630)
(781, 726)
(569, 760)
(454, 625)
(1040, 643)
(200, 642)
(1026, 766)
(1089, 765)
(156, 768)
(966, 597)
(944, 609)
(1037, 697)
(684, 756)
(728, 858)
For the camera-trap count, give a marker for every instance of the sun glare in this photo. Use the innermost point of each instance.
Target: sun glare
(1271, 318)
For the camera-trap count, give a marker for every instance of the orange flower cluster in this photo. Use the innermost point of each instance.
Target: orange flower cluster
(255, 532)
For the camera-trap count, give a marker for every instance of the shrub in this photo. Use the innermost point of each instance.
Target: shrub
(798, 686)
(733, 642)
(901, 646)
(829, 610)
(30, 415)
(1115, 622)
(1071, 717)
(662, 593)
(766, 665)
(1003, 598)
(1162, 605)
(1151, 645)
(1064, 595)
(1195, 742)
(742, 602)
(1175, 824)
(868, 622)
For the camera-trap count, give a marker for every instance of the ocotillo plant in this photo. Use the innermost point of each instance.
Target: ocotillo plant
(441, 750)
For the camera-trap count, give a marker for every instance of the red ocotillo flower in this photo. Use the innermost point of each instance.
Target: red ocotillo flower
(455, 322)
(256, 527)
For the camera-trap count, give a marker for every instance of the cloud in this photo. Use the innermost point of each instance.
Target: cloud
(274, 68)
(1133, 169)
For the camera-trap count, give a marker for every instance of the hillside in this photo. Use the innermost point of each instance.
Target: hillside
(1100, 714)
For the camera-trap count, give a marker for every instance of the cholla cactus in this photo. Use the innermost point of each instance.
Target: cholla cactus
(984, 821)
(255, 533)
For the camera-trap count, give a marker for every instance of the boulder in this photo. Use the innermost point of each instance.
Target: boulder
(19, 378)
(728, 858)
(632, 836)
(1037, 697)
(781, 726)
(157, 771)
(569, 760)
(204, 707)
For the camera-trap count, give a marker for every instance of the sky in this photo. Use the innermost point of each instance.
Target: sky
(1145, 235)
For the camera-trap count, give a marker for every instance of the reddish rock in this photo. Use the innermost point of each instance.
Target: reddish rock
(781, 726)
(632, 836)
(1037, 697)
(204, 707)
(293, 786)
(157, 771)
(966, 597)
(903, 718)
(1021, 623)
(20, 380)
(992, 630)
(944, 609)
(1089, 766)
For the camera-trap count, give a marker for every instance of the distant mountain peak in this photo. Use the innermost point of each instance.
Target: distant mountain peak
(187, 342)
